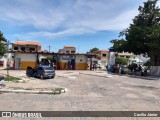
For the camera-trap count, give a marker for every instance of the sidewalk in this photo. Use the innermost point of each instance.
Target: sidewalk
(27, 83)
(69, 73)
(136, 76)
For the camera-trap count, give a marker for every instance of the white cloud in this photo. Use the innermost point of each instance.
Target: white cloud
(69, 17)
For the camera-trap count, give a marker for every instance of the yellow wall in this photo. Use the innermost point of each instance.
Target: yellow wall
(81, 66)
(61, 65)
(78, 66)
(25, 64)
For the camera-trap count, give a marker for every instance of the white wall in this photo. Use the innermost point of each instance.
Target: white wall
(155, 70)
(4, 59)
(144, 59)
(64, 58)
(26, 57)
(81, 57)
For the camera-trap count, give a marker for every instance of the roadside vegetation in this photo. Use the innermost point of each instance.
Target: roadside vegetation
(11, 78)
(142, 36)
(3, 49)
(121, 60)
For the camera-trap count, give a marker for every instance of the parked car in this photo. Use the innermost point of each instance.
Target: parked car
(41, 71)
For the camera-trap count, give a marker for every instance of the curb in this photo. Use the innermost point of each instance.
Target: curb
(96, 75)
(32, 91)
(134, 76)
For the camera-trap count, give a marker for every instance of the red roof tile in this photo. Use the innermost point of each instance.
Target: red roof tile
(69, 47)
(27, 43)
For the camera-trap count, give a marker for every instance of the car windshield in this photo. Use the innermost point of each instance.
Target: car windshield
(48, 68)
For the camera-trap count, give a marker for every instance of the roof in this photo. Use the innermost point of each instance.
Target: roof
(26, 43)
(69, 47)
(51, 53)
(104, 50)
(126, 54)
(100, 51)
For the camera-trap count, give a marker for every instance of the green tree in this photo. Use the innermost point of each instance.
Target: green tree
(118, 44)
(2, 46)
(94, 49)
(143, 35)
(121, 60)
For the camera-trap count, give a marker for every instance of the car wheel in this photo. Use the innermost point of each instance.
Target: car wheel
(41, 76)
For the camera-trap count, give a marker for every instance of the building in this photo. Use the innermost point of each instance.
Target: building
(22, 60)
(24, 54)
(68, 50)
(102, 54)
(72, 61)
(62, 61)
(27, 53)
(26, 46)
(3, 61)
(101, 57)
(126, 55)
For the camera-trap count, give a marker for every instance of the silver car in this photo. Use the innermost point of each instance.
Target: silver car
(44, 72)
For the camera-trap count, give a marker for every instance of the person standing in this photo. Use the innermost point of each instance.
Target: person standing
(122, 69)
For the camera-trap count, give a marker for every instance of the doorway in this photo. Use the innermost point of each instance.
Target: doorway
(18, 64)
(73, 64)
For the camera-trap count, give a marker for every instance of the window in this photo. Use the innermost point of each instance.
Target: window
(72, 56)
(72, 51)
(67, 51)
(103, 55)
(15, 48)
(31, 49)
(40, 68)
(48, 68)
(23, 48)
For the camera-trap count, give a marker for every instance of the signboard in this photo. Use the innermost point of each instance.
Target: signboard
(65, 57)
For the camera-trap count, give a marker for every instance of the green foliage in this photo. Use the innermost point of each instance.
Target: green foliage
(143, 35)
(94, 49)
(148, 63)
(3, 49)
(2, 37)
(11, 78)
(118, 45)
(121, 60)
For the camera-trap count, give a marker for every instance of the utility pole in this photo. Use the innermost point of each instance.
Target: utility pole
(7, 44)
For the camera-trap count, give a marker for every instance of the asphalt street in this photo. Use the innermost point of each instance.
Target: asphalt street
(90, 93)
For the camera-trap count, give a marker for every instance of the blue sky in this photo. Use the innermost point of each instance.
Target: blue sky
(81, 23)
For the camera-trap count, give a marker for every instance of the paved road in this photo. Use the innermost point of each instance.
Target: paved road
(90, 93)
